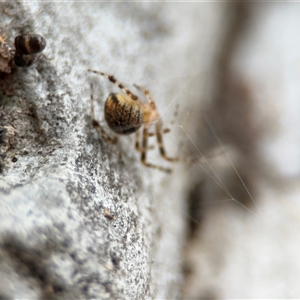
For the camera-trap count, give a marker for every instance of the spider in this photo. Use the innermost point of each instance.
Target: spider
(126, 114)
(28, 49)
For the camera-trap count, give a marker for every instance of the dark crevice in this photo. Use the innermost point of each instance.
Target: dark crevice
(32, 262)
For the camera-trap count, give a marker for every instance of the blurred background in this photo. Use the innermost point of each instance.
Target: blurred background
(244, 202)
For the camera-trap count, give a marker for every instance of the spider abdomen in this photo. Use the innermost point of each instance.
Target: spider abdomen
(28, 49)
(123, 115)
(29, 44)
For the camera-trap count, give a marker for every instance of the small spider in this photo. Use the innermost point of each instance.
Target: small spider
(108, 214)
(126, 114)
(27, 51)
(28, 47)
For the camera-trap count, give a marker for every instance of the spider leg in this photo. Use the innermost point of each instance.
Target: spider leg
(117, 83)
(152, 105)
(159, 137)
(137, 140)
(159, 130)
(96, 123)
(164, 130)
(137, 143)
(144, 153)
(148, 96)
(168, 129)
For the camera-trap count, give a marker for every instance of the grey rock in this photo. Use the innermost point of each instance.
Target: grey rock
(79, 217)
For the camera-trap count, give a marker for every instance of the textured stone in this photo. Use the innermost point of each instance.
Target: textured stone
(79, 217)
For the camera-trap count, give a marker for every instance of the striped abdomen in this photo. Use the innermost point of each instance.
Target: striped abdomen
(122, 114)
(28, 44)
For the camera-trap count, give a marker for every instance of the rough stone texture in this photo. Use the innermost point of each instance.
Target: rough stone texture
(80, 218)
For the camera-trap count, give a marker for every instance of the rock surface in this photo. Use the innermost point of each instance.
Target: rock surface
(79, 217)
